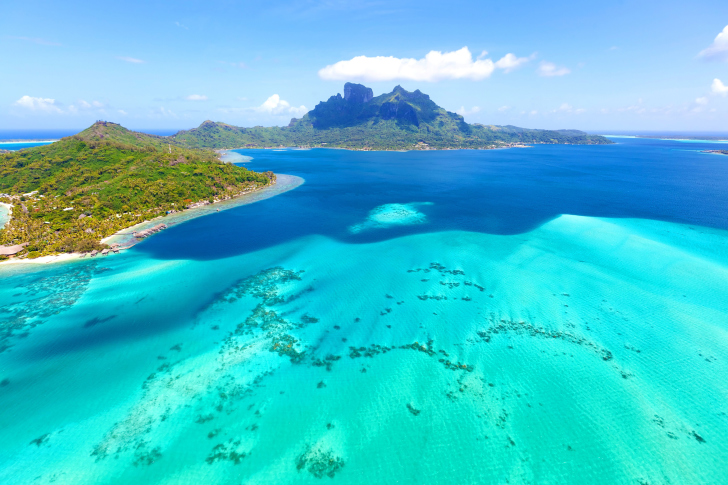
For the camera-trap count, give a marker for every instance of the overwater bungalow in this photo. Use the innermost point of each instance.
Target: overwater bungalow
(105, 252)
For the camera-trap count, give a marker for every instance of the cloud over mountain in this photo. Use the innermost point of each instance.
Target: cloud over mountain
(276, 106)
(435, 66)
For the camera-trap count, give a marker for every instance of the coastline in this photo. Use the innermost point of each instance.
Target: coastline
(9, 208)
(227, 154)
(125, 237)
(54, 258)
(15, 142)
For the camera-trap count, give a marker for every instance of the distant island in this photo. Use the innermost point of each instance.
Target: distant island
(719, 152)
(68, 195)
(399, 120)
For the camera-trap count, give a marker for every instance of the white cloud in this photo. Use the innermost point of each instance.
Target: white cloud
(196, 97)
(549, 69)
(718, 50)
(122, 112)
(718, 87)
(38, 104)
(510, 62)
(567, 108)
(277, 106)
(91, 105)
(131, 59)
(435, 66)
(181, 26)
(162, 112)
(464, 112)
(702, 101)
(503, 109)
(83, 105)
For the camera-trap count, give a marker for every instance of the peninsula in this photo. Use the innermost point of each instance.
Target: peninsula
(400, 120)
(69, 195)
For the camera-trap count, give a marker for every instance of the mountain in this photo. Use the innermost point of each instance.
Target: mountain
(106, 178)
(396, 120)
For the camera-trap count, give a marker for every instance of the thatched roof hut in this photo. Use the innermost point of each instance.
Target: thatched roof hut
(12, 250)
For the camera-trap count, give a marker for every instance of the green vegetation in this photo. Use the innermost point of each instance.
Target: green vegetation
(393, 121)
(106, 178)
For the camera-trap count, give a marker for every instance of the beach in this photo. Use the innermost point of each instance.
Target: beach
(126, 239)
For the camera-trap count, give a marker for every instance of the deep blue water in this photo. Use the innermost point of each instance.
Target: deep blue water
(494, 191)
(422, 317)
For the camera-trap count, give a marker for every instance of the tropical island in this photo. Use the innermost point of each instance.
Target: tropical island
(400, 120)
(69, 195)
(719, 152)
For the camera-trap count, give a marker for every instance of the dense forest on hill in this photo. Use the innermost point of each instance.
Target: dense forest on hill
(393, 121)
(90, 185)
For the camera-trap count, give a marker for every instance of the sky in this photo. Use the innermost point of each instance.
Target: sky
(598, 66)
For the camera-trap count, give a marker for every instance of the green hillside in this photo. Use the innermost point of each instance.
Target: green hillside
(104, 179)
(396, 120)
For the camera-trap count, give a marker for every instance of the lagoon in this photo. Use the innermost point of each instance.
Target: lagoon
(550, 315)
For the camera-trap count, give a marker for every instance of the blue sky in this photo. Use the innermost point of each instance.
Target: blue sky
(620, 65)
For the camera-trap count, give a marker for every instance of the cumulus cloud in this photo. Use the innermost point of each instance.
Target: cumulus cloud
(122, 112)
(91, 105)
(131, 60)
(718, 50)
(464, 112)
(718, 87)
(567, 108)
(702, 101)
(435, 66)
(510, 62)
(181, 26)
(196, 97)
(503, 109)
(549, 69)
(83, 105)
(47, 105)
(277, 106)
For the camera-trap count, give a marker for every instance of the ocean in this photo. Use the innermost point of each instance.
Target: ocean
(553, 314)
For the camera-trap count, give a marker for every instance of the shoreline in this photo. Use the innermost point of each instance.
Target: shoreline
(9, 207)
(126, 239)
(17, 142)
(225, 151)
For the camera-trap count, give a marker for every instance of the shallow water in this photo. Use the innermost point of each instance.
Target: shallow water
(399, 318)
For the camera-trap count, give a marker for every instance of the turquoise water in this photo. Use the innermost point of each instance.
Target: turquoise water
(4, 214)
(397, 318)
